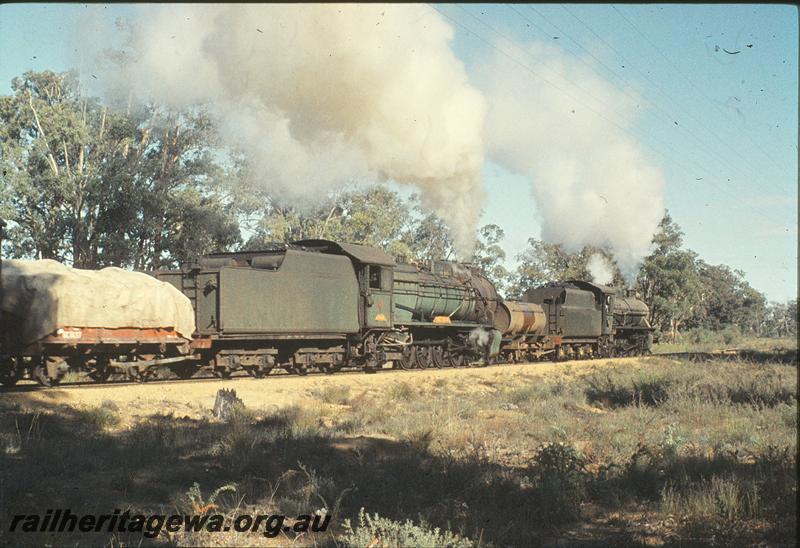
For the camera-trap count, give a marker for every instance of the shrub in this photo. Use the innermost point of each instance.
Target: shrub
(101, 416)
(381, 532)
(401, 391)
(560, 478)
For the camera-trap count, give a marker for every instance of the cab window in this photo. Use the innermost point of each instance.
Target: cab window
(374, 277)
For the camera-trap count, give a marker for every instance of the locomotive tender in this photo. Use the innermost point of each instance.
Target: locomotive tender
(324, 305)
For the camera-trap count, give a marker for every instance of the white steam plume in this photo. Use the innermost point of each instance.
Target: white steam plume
(591, 182)
(600, 269)
(320, 95)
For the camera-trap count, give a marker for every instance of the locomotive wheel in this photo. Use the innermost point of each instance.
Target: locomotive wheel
(424, 357)
(456, 359)
(437, 356)
(10, 372)
(409, 359)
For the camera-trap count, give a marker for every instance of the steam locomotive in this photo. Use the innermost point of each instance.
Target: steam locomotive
(319, 305)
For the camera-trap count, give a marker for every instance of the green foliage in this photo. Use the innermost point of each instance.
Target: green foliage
(544, 262)
(146, 187)
(561, 479)
(374, 530)
(683, 291)
(93, 186)
(489, 256)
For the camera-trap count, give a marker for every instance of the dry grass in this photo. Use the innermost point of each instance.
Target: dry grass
(671, 450)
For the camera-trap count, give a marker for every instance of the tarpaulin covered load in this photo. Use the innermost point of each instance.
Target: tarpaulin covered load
(47, 295)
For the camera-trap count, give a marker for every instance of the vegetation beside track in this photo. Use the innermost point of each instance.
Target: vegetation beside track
(649, 451)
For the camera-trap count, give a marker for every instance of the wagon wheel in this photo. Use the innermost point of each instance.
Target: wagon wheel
(40, 372)
(141, 374)
(437, 356)
(10, 371)
(409, 358)
(101, 371)
(100, 374)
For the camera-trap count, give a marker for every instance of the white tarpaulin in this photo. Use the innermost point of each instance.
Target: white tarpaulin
(47, 295)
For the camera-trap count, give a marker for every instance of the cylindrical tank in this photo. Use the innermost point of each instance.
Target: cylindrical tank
(631, 311)
(421, 295)
(518, 318)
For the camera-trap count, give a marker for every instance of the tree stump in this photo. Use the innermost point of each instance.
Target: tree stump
(226, 405)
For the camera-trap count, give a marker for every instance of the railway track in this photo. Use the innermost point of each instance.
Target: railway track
(32, 386)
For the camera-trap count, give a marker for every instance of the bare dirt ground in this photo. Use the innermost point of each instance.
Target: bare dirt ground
(194, 398)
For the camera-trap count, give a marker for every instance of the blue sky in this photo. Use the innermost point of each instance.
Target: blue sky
(730, 162)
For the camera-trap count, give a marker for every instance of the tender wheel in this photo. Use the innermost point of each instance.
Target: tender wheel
(184, 370)
(222, 373)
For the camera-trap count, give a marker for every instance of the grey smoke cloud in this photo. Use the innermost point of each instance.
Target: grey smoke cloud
(591, 181)
(600, 269)
(323, 95)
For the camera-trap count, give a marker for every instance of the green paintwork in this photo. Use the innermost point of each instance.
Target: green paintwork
(419, 296)
(376, 286)
(309, 293)
(570, 312)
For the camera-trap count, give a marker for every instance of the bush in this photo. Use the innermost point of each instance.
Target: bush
(561, 477)
(401, 391)
(376, 531)
(102, 416)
